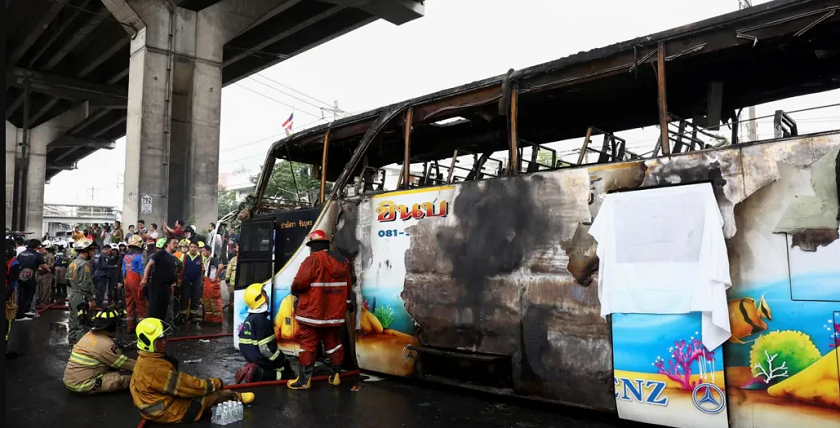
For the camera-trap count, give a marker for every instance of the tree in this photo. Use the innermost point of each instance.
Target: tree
(227, 201)
(287, 187)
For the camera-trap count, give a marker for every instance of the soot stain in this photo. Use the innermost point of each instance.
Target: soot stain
(811, 239)
(345, 240)
(499, 223)
(702, 172)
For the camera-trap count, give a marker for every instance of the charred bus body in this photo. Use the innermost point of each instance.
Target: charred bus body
(470, 242)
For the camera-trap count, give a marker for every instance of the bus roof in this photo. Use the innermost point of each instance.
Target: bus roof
(772, 51)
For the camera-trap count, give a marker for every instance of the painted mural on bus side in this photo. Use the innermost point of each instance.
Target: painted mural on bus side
(386, 330)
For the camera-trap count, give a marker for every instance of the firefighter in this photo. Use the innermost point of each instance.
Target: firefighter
(323, 287)
(212, 290)
(161, 392)
(258, 342)
(96, 363)
(132, 270)
(183, 248)
(80, 296)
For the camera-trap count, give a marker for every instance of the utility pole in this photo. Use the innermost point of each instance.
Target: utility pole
(752, 127)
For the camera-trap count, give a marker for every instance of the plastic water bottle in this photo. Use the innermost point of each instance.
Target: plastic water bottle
(240, 411)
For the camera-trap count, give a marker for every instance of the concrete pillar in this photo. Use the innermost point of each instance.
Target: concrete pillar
(174, 104)
(174, 107)
(39, 138)
(12, 139)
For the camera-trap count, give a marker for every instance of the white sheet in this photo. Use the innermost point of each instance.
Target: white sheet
(662, 251)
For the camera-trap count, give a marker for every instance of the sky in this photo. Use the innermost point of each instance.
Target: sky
(457, 41)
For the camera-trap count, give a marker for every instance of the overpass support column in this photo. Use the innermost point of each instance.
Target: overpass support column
(174, 108)
(12, 140)
(35, 167)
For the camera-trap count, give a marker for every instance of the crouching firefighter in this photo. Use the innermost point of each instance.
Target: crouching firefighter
(161, 392)
(80, 295)
(97, 364)
(323, 286)
(259, 344)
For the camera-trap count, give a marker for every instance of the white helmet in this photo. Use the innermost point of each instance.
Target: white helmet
(47, 244)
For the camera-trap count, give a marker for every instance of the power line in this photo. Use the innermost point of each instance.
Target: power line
(301, 93)
(290, 96)
(274, 99)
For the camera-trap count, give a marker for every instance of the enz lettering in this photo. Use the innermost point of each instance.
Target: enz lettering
(640, 390)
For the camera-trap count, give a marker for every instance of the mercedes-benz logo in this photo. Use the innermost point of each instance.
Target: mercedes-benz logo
(708, 398)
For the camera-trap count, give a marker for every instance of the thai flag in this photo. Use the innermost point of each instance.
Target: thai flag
(287, 125)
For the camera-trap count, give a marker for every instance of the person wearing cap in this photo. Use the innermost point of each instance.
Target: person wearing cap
(161, 392)
(132, 271)
(165, 276)
(211, 289)
(97, 364)
(45, 278)
(323, 287)
(192, 282)
(80, 296)
(258, 342)
(31, 263)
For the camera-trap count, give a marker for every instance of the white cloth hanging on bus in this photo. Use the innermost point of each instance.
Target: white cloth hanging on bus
(662, 251)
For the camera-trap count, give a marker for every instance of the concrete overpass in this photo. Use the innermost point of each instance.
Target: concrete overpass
(82, 73)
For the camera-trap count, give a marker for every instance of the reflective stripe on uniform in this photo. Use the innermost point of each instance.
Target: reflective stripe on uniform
(267, 340)
(328, 284)
(155, 409)
(84, 386)
(334, 349)
(247, 342)
(120, 361)
(84, 360)
(173, 381)
(275, 356)
(322, 322)
(210, 387)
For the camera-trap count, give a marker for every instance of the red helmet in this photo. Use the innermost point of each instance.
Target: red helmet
(318, 235)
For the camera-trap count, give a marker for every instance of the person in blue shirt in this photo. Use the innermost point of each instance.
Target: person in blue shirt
(192, 284)
(258, 342)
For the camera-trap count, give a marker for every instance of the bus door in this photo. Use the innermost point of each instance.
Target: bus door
(255, 263)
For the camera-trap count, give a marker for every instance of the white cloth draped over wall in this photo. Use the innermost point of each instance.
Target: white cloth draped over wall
(662, 251)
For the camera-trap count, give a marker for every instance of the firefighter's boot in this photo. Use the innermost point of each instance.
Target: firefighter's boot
(335, 376)
(304, 380)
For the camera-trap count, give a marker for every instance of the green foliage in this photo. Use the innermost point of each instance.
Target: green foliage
(281, 184)
(385, 315)
(227, 201)
(793, 349)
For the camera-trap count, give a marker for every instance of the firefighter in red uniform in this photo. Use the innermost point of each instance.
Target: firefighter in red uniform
(323, 287)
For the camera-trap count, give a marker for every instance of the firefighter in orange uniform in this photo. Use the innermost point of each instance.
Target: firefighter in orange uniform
(323, 287)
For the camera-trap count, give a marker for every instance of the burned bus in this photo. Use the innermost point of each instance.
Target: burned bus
(469, 232)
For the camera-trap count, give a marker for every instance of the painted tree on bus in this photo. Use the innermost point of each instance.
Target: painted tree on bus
(683, 356)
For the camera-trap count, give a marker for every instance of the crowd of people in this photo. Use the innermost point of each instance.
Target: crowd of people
(160, 391)
(171, 274)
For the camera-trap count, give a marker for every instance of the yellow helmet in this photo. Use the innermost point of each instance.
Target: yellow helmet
(148, 331)
(253, 296)
(184, 243)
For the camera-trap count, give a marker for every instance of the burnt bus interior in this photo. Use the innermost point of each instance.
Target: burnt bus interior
(694, 81)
